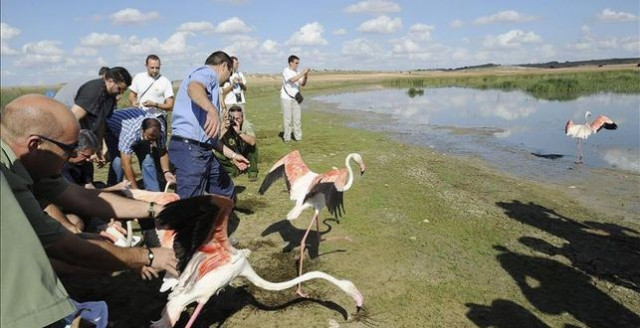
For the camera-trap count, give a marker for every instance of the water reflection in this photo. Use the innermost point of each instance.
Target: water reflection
(504, 127)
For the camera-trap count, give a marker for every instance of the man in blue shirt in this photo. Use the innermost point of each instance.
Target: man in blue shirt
(196, 130)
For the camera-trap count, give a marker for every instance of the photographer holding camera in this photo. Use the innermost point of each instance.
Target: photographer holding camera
(238, 135)
(291, 99)
(233, 90)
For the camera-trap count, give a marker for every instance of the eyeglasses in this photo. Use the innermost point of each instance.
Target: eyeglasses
(69, 149)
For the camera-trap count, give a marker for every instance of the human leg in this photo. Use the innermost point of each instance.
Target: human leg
(227, 165)
(252, 155)
(296, 115)
(115, 171)
(219, 182)
(286, 119)
(192, 165)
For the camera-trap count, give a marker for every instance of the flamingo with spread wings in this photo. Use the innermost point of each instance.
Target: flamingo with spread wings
(310, 189)
(583, 131)
(197, 229)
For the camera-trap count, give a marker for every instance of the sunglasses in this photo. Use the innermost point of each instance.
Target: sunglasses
(69, 149)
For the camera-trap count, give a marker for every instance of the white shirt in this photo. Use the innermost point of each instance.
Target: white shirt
(291, 88)
(230, 98)
(159, 91)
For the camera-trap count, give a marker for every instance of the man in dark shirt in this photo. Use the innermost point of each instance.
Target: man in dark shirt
(79, 169)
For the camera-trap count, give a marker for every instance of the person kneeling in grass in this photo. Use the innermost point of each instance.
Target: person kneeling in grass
(238, 135)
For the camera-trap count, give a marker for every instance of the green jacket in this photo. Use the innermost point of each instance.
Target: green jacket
(31, 293)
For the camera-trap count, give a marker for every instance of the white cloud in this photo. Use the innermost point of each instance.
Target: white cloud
(460, 54)
(382, 24)
(361, 48)
(8, 32)
(100, 39)
(506, 16)
(201, 26)
(133, 16)
(406, 46)
(373, 7)
(242, 45)
(547, 51)
(510, 40)
(308, 35)
(631, 44)
(421, 32)
(340, 32)
(175, 44)
(456, 23)
(610, 16)
(233, 25)
(269, 46)
(45, 47)
(85, 51)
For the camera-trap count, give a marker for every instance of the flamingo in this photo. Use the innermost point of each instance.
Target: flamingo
(310, 189)
(197, 229)
(583, 131)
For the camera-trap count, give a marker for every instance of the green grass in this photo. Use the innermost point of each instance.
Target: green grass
(562, 86)
(432, 236)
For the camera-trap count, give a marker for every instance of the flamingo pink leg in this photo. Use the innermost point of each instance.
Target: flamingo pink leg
(302, 247)
(579, 151)
(194, 315)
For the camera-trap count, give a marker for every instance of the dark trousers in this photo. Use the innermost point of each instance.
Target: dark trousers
(198, 171)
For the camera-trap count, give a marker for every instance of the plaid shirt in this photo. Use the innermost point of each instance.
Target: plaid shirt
(126, 126)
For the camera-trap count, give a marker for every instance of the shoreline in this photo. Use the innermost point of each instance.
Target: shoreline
(603, 190)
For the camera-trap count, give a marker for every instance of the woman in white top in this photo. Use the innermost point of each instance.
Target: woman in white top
(291, 83)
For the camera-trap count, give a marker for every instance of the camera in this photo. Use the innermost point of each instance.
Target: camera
(238, 97)
(232, 121)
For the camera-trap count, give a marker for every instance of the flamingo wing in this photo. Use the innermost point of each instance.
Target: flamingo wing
(199, 224)
(331, 185)
(603, 122)
(291, 167)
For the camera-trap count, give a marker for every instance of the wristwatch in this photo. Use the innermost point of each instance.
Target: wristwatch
(151, 211)
(150, 256)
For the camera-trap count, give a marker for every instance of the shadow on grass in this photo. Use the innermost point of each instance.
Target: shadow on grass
(606, 251)
(503, 314)
(231, 300)
(293, 236)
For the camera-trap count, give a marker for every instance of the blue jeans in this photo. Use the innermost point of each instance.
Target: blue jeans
(146, 159)
(198, 171)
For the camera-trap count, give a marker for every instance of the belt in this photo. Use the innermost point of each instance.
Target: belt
(191, 142)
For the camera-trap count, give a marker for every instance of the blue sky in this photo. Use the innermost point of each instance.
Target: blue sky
(47, 42)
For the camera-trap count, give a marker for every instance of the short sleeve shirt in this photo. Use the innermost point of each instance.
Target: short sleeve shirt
(125, 125)
(31, 196)
(94, 98)
(289, 90)
(148, 88)
(188, 118)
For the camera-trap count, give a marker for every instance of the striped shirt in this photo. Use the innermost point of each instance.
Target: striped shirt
(125, 125)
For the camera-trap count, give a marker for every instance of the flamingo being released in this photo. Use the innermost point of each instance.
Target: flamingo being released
(583, 131)
(197, 229)
(310, 189)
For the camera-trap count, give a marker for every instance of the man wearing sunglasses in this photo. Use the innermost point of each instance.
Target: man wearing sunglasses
(38, 136)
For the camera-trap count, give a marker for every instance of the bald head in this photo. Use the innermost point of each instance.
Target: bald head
(37, 114)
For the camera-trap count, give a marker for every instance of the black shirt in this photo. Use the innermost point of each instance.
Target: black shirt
(78, 174)
(94, 98)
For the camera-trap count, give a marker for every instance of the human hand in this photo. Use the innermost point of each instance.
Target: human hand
(99, 159)
(306, 71)
(212, 124)
(148, 273)
(169, 177)
(164, 259)
(149, 103)
(240, 162)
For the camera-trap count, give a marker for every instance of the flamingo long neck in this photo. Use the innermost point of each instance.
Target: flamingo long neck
(268, 285)
(350, 178)
(586, 118)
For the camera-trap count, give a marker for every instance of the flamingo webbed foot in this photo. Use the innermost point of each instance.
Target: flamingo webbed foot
(300, 293)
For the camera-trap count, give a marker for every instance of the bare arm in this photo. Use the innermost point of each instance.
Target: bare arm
(164, 165)
(133, 98)
(78, 111)
(55, 212)
(198, 95)
(166, 105)
(127, 168)
(102, 256)
(95, 202)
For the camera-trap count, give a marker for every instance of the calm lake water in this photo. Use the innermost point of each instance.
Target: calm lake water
(509, 129)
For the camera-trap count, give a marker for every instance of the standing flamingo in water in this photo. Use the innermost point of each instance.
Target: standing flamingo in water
(583, 131)
(309, 189)
(197, 229)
